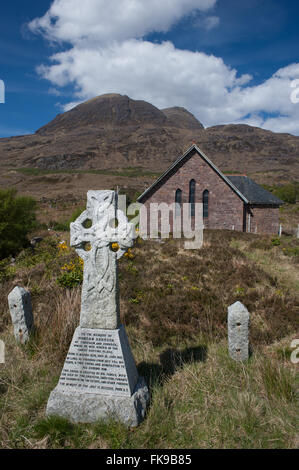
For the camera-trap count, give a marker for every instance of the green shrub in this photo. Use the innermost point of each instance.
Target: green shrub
(70, 279)
(17, 219)
(72, 274)
(275, 241)
(45, 252)
(6, 270)
(61, 226)
(288, 192)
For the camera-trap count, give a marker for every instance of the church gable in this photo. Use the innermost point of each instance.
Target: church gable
(194, 179)
(178, 164)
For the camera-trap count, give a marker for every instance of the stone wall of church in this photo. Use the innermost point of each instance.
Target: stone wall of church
(263, 220)
(225, 206)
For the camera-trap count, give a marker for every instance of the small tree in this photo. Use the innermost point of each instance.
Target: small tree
(17, 219)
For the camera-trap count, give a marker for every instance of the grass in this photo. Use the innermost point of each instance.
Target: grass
(214, 403)
(279, 257)
(174, 306)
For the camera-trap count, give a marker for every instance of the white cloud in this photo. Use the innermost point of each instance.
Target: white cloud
(54, 91)
(108, 55)
(155, 72)
(211, 22)
(100, 21)
(207, 22)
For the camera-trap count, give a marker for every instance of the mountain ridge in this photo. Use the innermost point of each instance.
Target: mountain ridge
(115, 131)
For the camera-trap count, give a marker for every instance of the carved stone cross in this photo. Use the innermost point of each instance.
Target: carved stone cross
(92, 235)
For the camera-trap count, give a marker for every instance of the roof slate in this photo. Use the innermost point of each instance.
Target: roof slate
(255, 193)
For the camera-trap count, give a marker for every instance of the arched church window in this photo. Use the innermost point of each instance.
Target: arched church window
(205, 200)
(192, 185)
(178, 202)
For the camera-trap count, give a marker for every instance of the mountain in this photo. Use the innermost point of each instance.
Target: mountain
(109, 110)
(181, 118)
(113, 131)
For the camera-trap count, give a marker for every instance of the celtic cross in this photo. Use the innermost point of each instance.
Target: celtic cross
(93, 234)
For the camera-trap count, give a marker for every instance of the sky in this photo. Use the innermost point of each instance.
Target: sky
(226, 61)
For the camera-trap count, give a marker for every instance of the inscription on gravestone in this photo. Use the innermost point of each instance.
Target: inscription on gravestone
(95, 363)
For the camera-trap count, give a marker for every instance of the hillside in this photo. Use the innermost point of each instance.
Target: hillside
(253, 150)
(113, 132)
(174, 309)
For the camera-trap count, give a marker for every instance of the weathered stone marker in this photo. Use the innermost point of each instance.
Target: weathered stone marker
(280, 231)
(2, 352)
(19, 301)
(238, 332)
(99, 378)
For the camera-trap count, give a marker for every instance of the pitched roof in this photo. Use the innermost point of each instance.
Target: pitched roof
(177, 163)
(248, 191)
(255, 193)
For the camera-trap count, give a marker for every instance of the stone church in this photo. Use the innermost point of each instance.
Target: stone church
(228, 202)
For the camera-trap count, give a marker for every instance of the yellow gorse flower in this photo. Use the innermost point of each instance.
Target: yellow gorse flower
(62, 247)
(129, 254)
(69, 267)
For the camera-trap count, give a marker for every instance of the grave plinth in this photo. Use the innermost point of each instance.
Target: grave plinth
(99, 379)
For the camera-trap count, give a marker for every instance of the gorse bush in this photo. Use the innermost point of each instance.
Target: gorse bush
(17, 219)
(72, 274)
(288, 192)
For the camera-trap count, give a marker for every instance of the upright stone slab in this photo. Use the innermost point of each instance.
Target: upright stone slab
(19, 301)
(238, 332)
(2, 352)
(99, 378)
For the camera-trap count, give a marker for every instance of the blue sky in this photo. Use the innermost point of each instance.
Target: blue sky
(225, 61)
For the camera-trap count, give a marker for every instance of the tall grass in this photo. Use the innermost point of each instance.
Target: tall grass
(177, 329)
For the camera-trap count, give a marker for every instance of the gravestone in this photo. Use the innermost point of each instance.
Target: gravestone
(280, 230)
(2, 352)
(99, 378)
(19, 301)
(238, 332)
